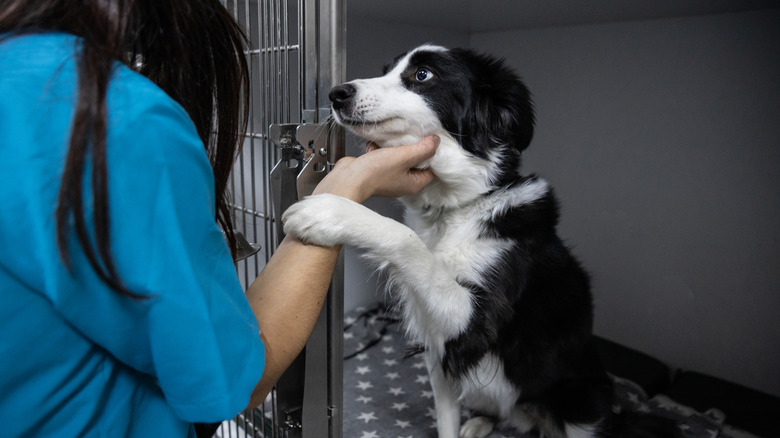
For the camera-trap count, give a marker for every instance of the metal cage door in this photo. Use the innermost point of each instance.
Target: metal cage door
(296, 55)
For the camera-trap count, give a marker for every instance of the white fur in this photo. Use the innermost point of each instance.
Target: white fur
(549, 430)
(476, 427)
(580, 430)
(436, 307)
(486, 389)
(445, 397)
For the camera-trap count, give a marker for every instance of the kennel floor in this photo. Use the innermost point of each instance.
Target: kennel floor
(389, 396)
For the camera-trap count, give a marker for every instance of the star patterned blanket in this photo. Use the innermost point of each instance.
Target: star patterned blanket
(387, 395)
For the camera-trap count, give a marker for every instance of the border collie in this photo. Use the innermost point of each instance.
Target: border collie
(501, 308)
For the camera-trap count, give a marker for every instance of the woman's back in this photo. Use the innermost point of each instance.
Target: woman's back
(77, 357)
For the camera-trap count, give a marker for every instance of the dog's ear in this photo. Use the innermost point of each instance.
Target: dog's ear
(503, 110)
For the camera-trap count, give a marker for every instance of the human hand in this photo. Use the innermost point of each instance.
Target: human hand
(381, 172)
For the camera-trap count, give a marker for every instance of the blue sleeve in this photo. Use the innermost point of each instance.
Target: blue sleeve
(195, 333)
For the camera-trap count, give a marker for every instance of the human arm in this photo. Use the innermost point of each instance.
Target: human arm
(289, 293)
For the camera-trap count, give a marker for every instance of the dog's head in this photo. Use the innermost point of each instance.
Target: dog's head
(475, 103)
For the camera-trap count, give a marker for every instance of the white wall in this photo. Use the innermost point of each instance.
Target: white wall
(662, 139)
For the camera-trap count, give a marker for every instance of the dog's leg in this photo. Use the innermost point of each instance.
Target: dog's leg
(439, 308)
(445, 398)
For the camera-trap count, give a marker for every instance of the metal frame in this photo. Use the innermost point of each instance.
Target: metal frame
(297, 53)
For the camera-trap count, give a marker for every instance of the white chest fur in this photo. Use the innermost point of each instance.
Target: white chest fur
(456, 241)
(487, 390)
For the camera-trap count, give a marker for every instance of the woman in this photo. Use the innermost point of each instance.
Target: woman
(121, 310)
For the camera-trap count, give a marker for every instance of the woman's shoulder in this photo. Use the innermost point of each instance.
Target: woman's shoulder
(52, 55)
(36, 63)
(47, 61)
(36, 48)
(38, 80)
(132, 92)
(143, 118)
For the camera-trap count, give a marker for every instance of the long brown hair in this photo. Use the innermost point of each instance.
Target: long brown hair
(193, 50)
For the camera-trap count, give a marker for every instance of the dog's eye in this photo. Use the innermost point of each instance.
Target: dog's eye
(423, 75)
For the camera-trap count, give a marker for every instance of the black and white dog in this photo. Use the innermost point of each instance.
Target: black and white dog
(483, 282)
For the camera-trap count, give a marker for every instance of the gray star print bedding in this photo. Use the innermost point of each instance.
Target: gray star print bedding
(388, 396)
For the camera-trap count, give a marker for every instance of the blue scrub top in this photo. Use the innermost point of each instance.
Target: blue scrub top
(77, 358)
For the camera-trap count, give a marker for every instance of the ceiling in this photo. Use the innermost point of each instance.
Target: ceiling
(473, 16)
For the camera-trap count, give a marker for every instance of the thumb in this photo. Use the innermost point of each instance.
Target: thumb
(422, 151)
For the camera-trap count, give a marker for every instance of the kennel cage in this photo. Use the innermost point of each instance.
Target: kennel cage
(295, 55)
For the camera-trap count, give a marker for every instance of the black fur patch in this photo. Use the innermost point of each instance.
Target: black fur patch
(479, 100)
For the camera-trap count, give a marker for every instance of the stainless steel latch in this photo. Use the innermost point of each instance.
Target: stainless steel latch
(303, 164)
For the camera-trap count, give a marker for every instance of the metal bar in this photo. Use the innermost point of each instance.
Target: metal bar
(301, 55)
(269, 157)
(282, 48)
(324, 385)
(286, 63)
(335, 303)
(334, 307)
(335, 51)
(242, 175)
(252, 170)
(249, 211)
(310, 64)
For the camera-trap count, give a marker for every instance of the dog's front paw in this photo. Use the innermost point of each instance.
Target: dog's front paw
(313, 220)
(327, 220)
(476, 427)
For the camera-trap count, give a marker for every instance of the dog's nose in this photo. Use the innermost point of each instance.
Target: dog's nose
(340, 95)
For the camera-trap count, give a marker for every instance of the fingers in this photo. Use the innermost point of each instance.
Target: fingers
(430, 143)
(420, 178)
(371, 146)
(422, 151)
(413, 154)
(381, 171)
